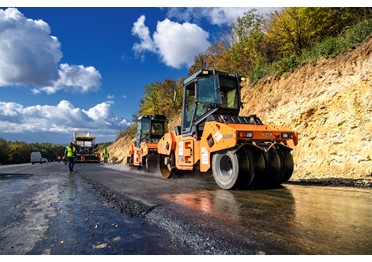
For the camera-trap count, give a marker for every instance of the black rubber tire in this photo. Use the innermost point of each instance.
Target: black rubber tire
(225, 169)
(288, 165)
(145, 164)
(166, 170)
(247, 169)
(150, 163)
(260, 167)
(276, 167)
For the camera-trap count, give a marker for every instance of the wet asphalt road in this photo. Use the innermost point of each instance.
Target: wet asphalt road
(46, 210)
(109, 210)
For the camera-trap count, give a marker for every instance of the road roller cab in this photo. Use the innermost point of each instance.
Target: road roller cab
(240, 151)
(143, 152)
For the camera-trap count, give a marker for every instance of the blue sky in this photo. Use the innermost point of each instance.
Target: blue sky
(70, 68)
(83, 65)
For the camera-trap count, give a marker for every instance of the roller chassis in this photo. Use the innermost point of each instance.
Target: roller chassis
(142, 154)
(145, 157)
(240, 151)
(234, 162)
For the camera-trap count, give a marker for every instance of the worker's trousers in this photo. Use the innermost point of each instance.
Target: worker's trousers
(71, 163)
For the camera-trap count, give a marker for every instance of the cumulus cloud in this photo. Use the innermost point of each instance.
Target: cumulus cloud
(214, 15)
(75, 79)
(30, 56)
(139, 29)
(176, 44)
(28, 53)
(60, 118)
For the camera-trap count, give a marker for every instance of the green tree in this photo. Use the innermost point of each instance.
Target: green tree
(247, 36)
(239, 51)
(289, 30)
(149, 103)
(293, 30)
(158, 98)
(167, 89)
(3, 151)
(199, 63)
(19, 152)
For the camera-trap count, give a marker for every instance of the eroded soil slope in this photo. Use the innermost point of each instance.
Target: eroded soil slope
(329, 102)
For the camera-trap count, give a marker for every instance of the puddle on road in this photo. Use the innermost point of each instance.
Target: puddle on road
(312, 220)
(220, 203)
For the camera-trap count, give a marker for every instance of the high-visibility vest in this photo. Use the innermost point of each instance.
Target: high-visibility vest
(71, 152)
(105, 154)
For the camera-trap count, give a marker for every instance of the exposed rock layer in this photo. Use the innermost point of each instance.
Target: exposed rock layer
(329, 102)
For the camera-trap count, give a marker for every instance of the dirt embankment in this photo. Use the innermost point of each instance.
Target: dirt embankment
(329, 102)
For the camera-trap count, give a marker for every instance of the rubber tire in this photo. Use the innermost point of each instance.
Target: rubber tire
(276, 165)
(259, 163)
(225, 169)
(247, 171)
(145, 164)
(288, 165)
(164, 170)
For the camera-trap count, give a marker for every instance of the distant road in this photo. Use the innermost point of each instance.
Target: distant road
(105, 209)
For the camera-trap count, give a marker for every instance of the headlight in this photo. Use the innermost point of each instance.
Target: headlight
(245, 135)
(288, 135)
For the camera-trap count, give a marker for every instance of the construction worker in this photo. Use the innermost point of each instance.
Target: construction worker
(70, 154)
(105, 156)
(82, 155)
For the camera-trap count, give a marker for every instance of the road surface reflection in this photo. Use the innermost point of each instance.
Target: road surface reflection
(326, 220)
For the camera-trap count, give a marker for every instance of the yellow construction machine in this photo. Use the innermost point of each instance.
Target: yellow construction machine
(143, 152)
(86, 147)
(240, 151)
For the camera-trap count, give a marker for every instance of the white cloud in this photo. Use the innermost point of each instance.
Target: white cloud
(100, 112)
(75, 79)
(176, 44)
(28, 53)
(61, 118)
(30, 56)
(139, 29)
(215, 15)
(220, 16)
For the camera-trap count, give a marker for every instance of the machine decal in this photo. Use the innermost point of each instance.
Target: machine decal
(218, 136)
(180, 148)
(204, 154)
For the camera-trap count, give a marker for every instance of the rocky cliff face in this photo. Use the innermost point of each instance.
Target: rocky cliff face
(329, 102)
